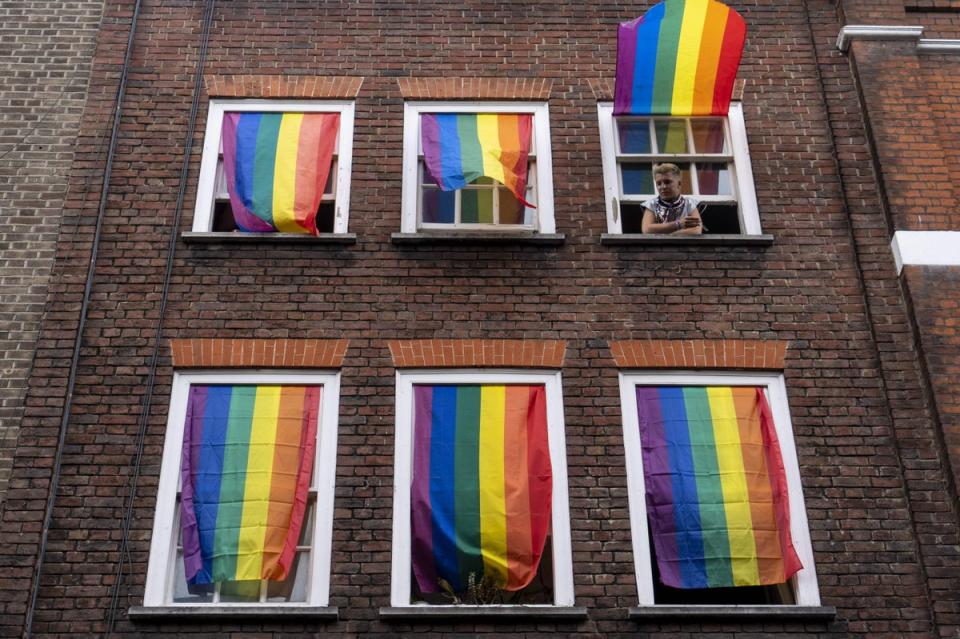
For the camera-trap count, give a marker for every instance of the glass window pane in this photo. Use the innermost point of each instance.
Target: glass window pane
(220, 182)
(708, 136)
(476, 206)
(294, 587)
(631, 217)
(439, 207)
(511, 210)
(426, 177)
(331, 178)
(714, 179)
(184, 592)
(325, 215)
(239, 591)
(637, 178)
(671, 136)
(306, 531)
(634, 136)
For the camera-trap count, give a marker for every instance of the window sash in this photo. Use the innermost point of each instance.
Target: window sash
(211, 188)
(495, 188)
(412, 189)
(736, 156)
(165, 537)
(401, 569)
(804, 582)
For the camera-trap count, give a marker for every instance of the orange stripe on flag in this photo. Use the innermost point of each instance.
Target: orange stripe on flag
(284, 481)
(710, 46)
(520, 566)
(766, 535)
(318, 135)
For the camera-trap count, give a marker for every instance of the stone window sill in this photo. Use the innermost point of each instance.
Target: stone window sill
(641, 239)
(758, 613)
(506, 613)
(193, 237)
(263, 611)
(478, 237)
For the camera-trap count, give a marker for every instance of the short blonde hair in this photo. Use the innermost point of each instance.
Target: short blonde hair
(667, 167)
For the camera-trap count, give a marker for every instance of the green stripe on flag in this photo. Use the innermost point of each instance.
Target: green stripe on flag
(467, 482)
(232, 486)
(713, 516)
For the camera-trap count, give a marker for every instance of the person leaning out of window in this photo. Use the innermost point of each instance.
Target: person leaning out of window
(670, 212)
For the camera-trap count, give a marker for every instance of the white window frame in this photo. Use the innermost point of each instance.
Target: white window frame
(804, 582)
(744, 191)
(161, 568)
(543, 180)
(563, 594)
(206, 187)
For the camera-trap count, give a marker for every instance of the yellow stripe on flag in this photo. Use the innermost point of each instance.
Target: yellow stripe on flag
(493, 517)
(488, 131)
(733, 483)
(256, 495)
(285, 174)
(688, 53)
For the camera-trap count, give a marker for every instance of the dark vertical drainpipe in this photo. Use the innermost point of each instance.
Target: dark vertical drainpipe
(152, 365)
(88, 286)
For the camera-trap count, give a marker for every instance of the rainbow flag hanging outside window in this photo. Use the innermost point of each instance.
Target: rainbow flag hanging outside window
(247, 459)
(458, 148)
(482, 485)
(716, 489)
(679, 58)
(277, 165)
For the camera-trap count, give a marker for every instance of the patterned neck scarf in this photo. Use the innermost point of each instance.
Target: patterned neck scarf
(669, 211)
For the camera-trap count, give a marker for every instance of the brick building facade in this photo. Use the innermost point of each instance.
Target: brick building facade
(45, 62)
(848, 144)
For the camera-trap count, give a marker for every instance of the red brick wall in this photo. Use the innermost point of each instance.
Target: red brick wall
(935, 295)
(860, 435)
(906, 98)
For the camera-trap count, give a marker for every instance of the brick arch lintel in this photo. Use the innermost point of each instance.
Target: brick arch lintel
(743, 354)
(282, 86)
(258, 353)
(473, 353)
(475, 88)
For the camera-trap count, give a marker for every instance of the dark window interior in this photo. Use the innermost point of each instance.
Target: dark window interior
(538, 591)
(223, 217)
(718, 218)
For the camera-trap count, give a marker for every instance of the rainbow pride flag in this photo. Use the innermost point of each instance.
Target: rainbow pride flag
(458, 148)
(716, 489)
(482, 485)
(679, 58)
(247, 458)
(276, 166)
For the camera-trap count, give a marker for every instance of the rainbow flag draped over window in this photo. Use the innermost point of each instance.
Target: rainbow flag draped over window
(716, 489)
(679, 58)
(276, 167)
(482, 485)
(245, 472)
(458, 148)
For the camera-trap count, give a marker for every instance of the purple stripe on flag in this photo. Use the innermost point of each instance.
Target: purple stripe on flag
(421, 514)
(430, 139)
(659, 481)
(193, 432)
(623, 84)
(246, 220)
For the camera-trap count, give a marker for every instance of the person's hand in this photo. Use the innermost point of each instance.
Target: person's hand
(690, 222)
